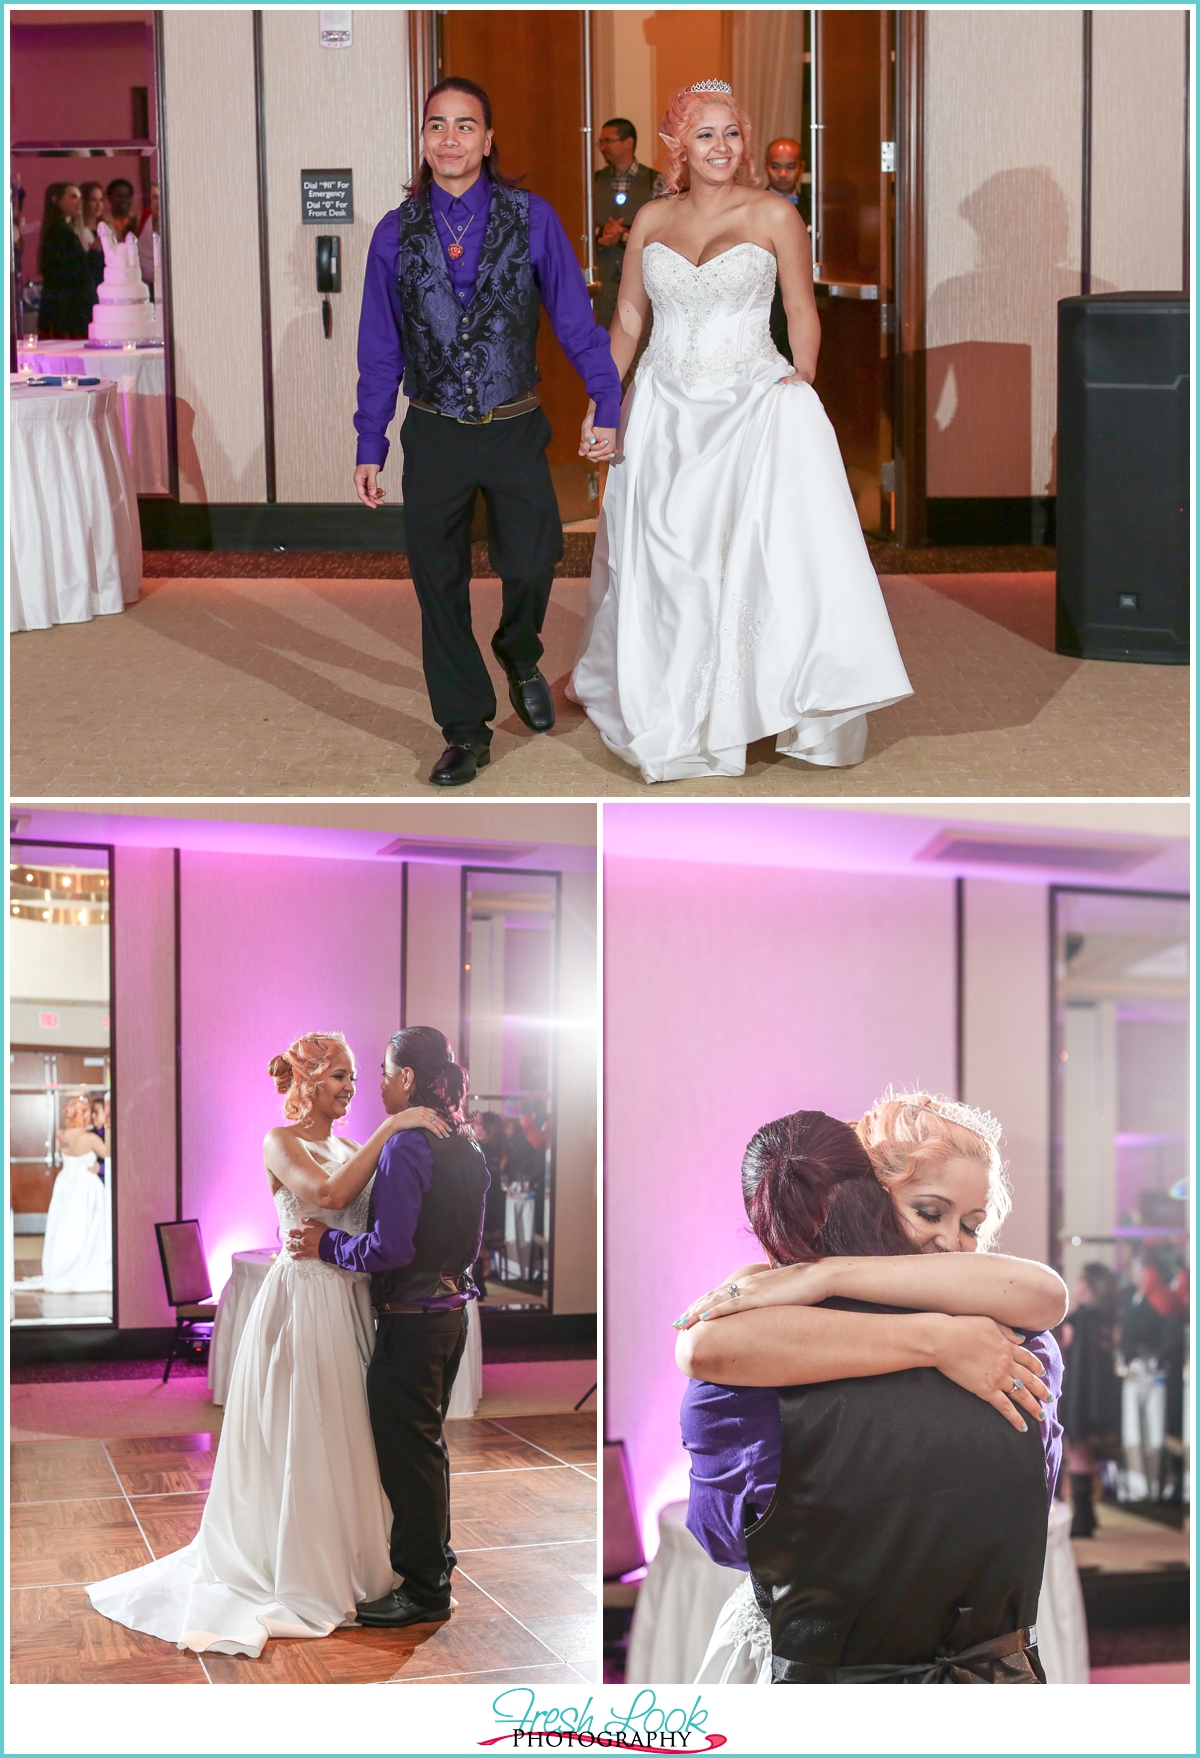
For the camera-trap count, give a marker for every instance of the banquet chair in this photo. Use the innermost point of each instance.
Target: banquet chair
(185, 1272)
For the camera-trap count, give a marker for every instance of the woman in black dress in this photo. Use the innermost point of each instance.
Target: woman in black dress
(68, 281)
(1090, 1411)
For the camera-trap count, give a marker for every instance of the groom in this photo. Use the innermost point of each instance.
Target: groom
(426, 1229)
(451, 302)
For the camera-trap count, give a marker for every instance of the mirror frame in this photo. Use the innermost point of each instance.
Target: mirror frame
(1057, 1035)
(464, 1038)
(113, 1322)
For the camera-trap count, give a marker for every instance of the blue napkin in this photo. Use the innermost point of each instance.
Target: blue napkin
(51, 378)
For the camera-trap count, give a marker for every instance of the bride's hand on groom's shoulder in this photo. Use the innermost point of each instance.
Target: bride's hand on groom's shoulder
(420, 1117)
(718, 1302)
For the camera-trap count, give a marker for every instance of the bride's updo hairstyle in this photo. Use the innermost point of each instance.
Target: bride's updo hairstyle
(297, 1072)
(438, 1080)
(678, 123)
(810, 1192)
(904, 1133)
(77, 1112)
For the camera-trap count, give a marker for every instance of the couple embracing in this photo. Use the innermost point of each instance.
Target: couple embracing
(732, 597)
(871, 1413)
(330, 1497)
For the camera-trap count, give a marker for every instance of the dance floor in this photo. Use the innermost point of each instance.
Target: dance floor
(523, 1503)
(313, 686)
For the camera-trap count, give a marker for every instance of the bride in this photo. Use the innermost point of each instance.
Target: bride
(77, 1250)
(732, 596)
(295, 1528)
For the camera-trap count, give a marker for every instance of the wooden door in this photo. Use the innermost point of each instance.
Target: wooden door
(531, 66)
(853, 78)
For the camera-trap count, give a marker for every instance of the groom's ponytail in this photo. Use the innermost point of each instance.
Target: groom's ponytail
(438, 1080)
(811, 1192)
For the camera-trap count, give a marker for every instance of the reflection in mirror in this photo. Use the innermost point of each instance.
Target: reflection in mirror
(60, 1072)
(88, 267)
(1123, 1161)
(509, 1015)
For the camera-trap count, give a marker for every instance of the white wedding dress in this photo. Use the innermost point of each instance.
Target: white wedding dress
(77, 1250)
(732, 595)
(295, 1529)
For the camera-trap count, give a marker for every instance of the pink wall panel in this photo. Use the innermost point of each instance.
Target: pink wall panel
(732, 996)
(271, 949)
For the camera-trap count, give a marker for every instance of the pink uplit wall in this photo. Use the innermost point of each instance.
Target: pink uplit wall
(270, 949)
(734, 995)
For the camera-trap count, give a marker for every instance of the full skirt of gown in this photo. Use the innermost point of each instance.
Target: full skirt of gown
(295, 1529)
(732, 596)
(77, 1248)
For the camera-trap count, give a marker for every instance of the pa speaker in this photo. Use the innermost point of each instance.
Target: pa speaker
(1123, 477)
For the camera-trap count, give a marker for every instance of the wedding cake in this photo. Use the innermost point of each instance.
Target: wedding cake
(123, 312)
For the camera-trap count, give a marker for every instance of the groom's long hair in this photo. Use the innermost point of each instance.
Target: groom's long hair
(811, 1192)
(438, 1080)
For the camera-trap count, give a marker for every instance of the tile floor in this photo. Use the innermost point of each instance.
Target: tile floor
(229, 687)
(524, 1507)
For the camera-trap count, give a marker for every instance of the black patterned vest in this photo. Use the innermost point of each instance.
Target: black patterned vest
(449, 1228)
(908, 1525)
(467, 359)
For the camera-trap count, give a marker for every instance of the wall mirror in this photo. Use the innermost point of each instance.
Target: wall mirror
(60, 1081)
(83, 181)
(1121, 1184)
(508, 1042)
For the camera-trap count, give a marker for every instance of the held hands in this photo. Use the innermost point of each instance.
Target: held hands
(304, 1240)
(597, 444)
(419, 1117)
(366, 486)
(612, 232)
(988, 1359)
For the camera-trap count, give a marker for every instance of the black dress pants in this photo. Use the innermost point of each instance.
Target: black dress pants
(445, 462)
(409, 1383)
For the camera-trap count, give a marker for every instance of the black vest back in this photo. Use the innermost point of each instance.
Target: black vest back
(902, 1501)
(467, 359)
(446, 1242)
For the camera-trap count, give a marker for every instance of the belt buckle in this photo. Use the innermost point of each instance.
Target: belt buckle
(464, 421)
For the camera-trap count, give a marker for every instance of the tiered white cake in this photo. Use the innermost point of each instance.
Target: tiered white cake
(123, 312)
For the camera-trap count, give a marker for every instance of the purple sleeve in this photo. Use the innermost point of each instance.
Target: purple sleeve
(1044, 1348)
(380, 350)
(404, 1175)
(734, 1438)
(565, 296)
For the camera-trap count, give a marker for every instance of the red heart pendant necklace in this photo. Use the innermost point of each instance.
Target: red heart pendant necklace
(455, 249)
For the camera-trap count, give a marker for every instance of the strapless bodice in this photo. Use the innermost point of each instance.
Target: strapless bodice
(713, 321)
(78, 1162)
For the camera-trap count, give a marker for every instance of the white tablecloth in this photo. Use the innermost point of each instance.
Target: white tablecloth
(75, 547)
(685, 1591)
(247, 1274)
(141, 380)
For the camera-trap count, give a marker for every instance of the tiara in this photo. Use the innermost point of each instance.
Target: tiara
(980, 1123)
(713, 85)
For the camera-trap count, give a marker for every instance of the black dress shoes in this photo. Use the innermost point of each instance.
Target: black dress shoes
(458, 764)
(532, 700)
(395, 1610)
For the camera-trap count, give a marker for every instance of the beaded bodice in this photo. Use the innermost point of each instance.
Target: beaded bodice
(352, 1219)
(713, 321)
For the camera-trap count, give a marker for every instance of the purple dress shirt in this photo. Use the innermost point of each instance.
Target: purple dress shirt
(734, 1435)
(401, 1182)
(464, 219)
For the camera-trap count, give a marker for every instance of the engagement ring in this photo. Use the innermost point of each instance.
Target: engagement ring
(1018, 1385)
(733, 1291)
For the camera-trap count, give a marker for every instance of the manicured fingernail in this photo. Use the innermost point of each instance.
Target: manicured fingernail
(703, 1315)
(1024, 1427)
(1041, 1416)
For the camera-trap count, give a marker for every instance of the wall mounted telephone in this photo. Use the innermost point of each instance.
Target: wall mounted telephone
(329, 276)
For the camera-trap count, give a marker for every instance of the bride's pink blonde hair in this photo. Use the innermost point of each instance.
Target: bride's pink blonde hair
(679, 122)
(904, 1133)
(77, 1112)
(297, 1071)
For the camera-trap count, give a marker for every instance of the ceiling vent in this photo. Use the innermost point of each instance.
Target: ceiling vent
(961, 848)
(425, 848)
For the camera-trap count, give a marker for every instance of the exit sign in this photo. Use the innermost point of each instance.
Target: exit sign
(48, 1022)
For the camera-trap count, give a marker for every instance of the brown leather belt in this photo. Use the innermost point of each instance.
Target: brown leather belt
(502, 412)
(411, 1306)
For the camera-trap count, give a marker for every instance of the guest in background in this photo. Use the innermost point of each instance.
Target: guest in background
(146, 237)
(91, 212)
(784, 168)
(620, 189)
(1090, 1411)
(68, 285)
(120, 215)
(489, 1133)
(1172, 1361)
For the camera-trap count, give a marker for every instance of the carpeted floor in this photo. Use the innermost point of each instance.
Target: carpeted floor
(214, 686)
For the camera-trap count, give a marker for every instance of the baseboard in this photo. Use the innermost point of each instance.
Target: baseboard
(168, 524)
(499, 1327)
(31, 1344)
(1122, 1601)
(991, 519)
